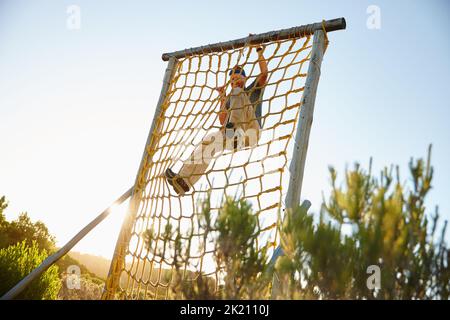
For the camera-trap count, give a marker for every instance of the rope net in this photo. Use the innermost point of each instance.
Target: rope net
(258, 173)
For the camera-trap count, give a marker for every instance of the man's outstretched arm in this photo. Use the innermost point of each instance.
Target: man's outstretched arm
(222, 103)
(262, 78)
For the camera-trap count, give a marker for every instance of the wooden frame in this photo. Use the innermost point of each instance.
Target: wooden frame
(296, 168)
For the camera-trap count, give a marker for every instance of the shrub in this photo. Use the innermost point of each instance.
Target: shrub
(17, 261)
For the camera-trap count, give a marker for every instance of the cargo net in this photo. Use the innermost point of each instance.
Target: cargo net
(257, 174)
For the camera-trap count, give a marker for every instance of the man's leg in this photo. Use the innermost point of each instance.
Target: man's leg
(253, 130)
(242, 115)
(237, 106)
(195, 166)
(235, 120)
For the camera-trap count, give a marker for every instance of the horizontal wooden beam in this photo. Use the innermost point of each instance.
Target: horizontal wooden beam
(295, 32)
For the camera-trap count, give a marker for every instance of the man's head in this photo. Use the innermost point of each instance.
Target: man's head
(237, 77)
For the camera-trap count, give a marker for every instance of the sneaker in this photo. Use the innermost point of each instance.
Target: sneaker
(179, 185)
(229, 130)
(230, 133)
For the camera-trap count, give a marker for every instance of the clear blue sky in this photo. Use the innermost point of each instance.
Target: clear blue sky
(76, 105)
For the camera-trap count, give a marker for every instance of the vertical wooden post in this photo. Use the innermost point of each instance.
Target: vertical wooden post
(123, 240)
(297, 165)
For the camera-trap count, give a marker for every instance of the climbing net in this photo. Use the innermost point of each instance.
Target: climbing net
(189, 111)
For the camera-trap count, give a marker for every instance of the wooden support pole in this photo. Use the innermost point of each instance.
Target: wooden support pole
(123, 240)
(47, 263)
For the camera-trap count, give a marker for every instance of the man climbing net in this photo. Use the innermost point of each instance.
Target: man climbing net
(240, 119)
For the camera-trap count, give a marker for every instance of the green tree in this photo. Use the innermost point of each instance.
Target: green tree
(233, 232)
(24, 229)
(3, 206)
(17, 261)
(368, 222)
(3, 222)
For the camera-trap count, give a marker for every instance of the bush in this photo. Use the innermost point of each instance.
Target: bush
(17, 261)
(366, 226)
(369, 222)
(90, 289)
